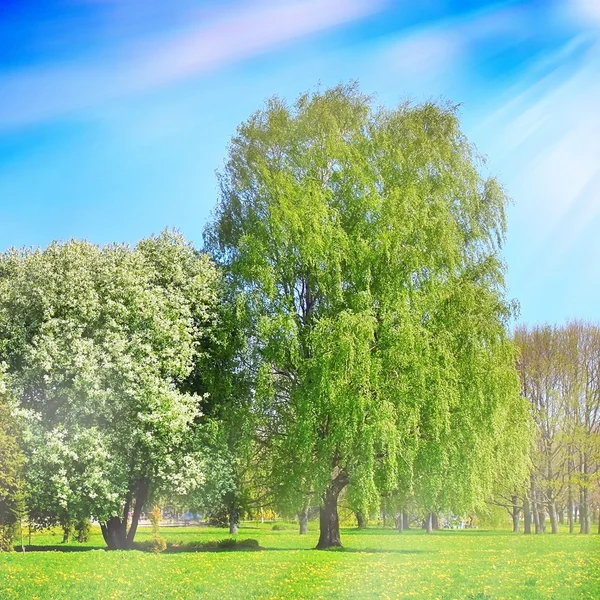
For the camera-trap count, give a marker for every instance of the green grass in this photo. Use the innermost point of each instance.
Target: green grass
(375, 563)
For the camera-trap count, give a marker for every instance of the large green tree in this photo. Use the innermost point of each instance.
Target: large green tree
(365, 242)
(97, 341)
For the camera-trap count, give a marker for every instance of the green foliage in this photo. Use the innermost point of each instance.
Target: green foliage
(83, 528)
(157, 544)
(223, 372)
(365, 244)
(155, 517)
(233, 544)
(494, 517)
(96, 340)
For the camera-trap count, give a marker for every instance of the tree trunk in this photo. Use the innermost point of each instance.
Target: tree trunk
(434, 521)
(561, 515)
(361, 522)
(553, 518)
(233, 520)
(541, 514)
(303, 520)
(526, 516)
(329, 523)
(406, 524)
(516, 513)
(112, 534)
(534, 510)
(429, 522)
(400, 521)
(114, 531)
(67, 531)
(570, 510)
(141, 495)
(584, 517)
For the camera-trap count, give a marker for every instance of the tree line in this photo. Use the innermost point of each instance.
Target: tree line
(343, 331)
(559, 369)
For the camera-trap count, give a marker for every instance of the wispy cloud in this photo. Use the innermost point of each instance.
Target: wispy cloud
(555, 123)
(548, 138)
(435, 53)
(35, 94)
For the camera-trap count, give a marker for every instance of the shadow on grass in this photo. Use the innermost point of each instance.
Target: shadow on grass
(58, 548)
(344, 550)
(223, 545)
(418, 532)
(377, 551)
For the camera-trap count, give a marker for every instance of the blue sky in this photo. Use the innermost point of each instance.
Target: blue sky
(115, 114)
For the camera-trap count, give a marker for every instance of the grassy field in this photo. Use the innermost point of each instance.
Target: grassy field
(375, 563)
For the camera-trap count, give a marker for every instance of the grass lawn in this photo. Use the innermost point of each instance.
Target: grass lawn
(375, 563)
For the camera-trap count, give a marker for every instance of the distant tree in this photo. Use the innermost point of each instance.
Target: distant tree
(97, 341)
(581, 388)
(559, 368)
(365, 244)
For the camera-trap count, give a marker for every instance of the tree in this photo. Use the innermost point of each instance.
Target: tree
(97, 341)
(365, 243)
(560, 375)
(11, 472)
(581, 391)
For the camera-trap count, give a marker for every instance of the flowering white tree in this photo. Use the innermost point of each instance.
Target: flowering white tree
(97, 341)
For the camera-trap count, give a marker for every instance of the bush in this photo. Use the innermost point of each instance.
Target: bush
(157, 545)
(83, 528)
(219, 545)
(8, 534)
(233, 544)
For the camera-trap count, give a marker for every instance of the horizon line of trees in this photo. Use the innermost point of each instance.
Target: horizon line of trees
(559, 368)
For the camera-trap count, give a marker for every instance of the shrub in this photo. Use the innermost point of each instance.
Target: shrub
(233, 544)
(157, 544)
(8, 534)
(83, 528)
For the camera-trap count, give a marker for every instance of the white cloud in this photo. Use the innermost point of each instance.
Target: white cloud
(36, 94)
(422, 54)
(587, 9)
